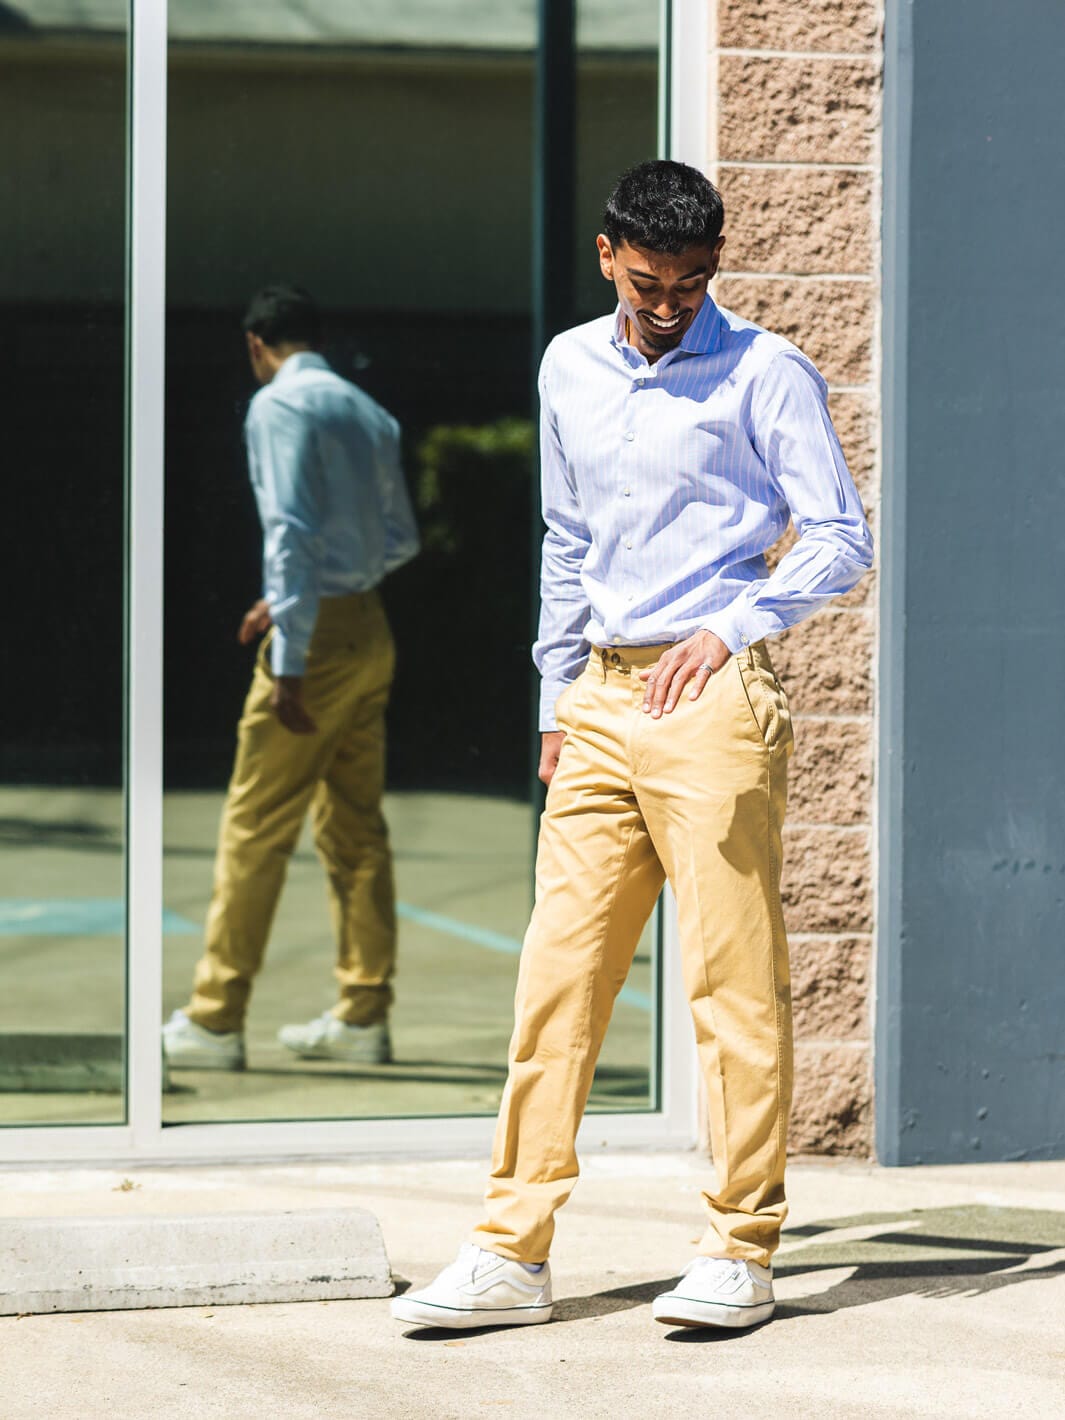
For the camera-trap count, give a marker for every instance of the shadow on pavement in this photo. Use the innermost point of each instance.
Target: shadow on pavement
(398, 1072)
(80, 834)
(455, 1336)
(618, 1299)
(609, 1080)
(935, 1253)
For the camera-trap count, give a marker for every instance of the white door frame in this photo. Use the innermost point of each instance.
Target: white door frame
(144, 1138)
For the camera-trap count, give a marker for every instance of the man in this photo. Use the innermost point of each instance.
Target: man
(324, 463)
(677, 439)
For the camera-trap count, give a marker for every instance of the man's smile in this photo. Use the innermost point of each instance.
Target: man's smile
(666, 327)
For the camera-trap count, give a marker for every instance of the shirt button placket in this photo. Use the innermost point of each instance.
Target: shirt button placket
(629, 435)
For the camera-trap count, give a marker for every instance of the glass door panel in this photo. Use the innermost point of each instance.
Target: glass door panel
(617, 116)
(386, 168)
(62, 306)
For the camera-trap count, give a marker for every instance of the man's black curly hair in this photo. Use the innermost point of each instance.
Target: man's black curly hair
(282, 313)
(664, 206)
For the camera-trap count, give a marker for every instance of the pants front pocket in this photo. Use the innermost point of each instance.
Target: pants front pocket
(766, 699)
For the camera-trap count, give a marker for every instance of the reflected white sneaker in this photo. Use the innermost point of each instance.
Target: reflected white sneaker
(329, 1039)
(718, 1291)
(186, 1043)
(479, 1289)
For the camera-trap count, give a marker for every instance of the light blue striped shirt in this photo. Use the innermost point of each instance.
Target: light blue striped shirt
(665, 484)
(324, 460)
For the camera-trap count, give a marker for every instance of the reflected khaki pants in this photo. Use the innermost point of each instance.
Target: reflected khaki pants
(338, 773)
(697, 797)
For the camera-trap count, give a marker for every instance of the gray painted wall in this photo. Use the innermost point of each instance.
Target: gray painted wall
(971, 990)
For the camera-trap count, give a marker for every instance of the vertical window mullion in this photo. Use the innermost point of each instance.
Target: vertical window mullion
(144, 580)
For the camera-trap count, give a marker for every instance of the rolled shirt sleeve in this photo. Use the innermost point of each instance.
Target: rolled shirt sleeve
(792, 432)
(284, 475)
(561, 648)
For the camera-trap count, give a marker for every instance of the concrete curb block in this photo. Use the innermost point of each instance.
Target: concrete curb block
(113, 1264)
(62, 1063)
(51, 1062)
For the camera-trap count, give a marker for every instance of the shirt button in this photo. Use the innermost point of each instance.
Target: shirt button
(628, 542)
(627, 492)
(629, 435)
(745, 640)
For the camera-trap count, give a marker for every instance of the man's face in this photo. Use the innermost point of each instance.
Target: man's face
(658, 293)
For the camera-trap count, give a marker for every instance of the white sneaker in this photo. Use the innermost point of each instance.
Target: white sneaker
(186, 1043)
(479, 1289)
(329, 1039)
(718, 1291)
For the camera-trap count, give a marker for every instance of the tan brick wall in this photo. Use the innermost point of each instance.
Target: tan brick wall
(794, 147)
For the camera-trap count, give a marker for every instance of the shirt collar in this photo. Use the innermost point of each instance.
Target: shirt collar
(302, 360)
(704, 333)
(701, 338)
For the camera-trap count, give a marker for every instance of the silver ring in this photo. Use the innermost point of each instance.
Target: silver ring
(707, 668)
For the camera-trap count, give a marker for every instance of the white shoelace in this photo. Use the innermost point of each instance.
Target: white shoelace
(716, 1269)
(318, 1029)
(471, 1261)
(179, 1020)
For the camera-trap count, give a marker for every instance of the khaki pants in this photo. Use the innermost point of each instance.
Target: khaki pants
(338, 773)
(697, 796)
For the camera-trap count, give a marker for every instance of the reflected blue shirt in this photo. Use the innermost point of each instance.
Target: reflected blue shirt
(324, 461)
(664, 485)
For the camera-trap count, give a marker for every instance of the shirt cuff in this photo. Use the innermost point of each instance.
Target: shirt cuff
(736, 625)
(550, 692)
(285, 657)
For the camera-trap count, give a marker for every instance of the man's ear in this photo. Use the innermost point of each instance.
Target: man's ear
(606, 257)
(715, 257)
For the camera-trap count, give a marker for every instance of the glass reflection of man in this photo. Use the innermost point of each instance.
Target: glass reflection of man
(677, 439)
(324, 462)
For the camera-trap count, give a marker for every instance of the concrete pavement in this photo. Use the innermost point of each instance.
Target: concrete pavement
(903, 1293)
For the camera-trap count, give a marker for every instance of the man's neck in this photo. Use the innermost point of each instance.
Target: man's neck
(278, 355)
(651, 356)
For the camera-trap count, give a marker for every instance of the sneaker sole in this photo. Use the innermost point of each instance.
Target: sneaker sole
(686, 1311)
(198, 1063)
(383, 1058)
(425, 1314)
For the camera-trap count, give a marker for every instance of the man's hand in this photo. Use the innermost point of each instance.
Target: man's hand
(684, 662)
(550, 748)
(286, 701)
(256, 621)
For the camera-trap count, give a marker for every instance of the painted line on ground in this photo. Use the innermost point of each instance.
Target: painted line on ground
(495, 942)
(77, 917)
(106, 917)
